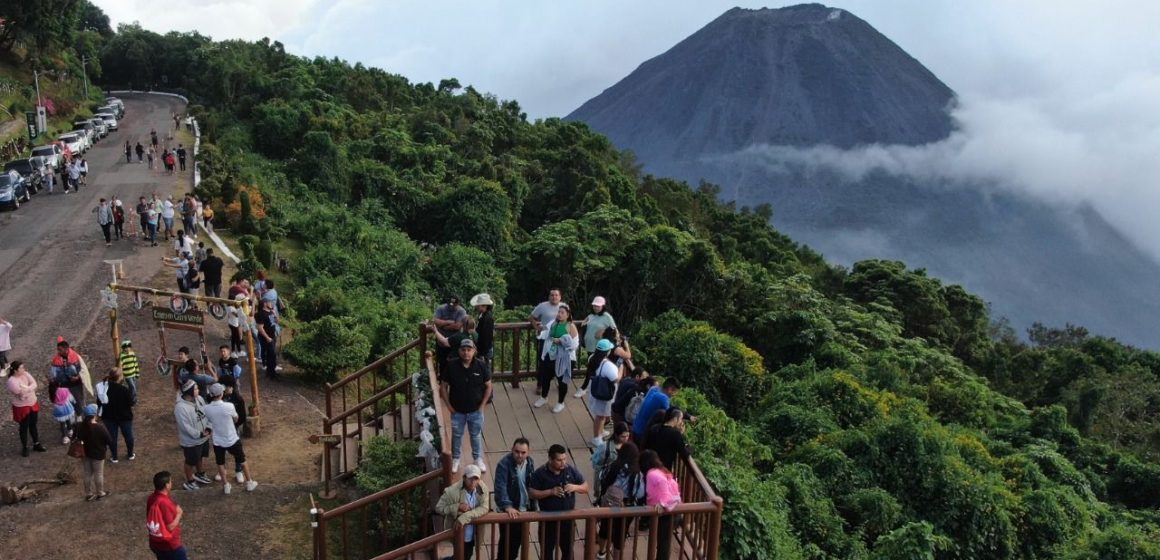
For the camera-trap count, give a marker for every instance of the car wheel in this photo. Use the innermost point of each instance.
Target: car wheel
(15, 202)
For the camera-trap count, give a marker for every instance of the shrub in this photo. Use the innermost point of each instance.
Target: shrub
(328, 345)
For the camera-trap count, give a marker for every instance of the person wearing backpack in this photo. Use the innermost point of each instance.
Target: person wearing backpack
(619, 485)
(625, 391)
(632, 409)
(604, 375)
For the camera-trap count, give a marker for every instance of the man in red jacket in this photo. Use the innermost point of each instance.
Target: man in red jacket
(163, 520)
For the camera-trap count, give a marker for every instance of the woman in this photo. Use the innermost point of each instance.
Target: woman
(152, 216)
(96, 443)
(663, 493)
(25, 408)
(560, 352)
(618, 473)
(117, 414)
(207, 217)
(484, 325)
(183, 244)
(668, 439)
(167, 216)
(235, 319)
(621, 355)
(604, 376)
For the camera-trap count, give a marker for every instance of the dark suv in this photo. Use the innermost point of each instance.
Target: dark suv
(31, 169)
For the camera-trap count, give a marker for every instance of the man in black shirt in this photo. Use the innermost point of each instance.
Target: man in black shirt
(466, 386)
(268, 338)
(181, 156)
(211, 270)
(555, 486)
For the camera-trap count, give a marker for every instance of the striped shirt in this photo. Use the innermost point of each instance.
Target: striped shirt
(129, 364)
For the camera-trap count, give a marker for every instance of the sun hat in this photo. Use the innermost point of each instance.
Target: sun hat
(481, 299)
(599, 300)
(604, 345)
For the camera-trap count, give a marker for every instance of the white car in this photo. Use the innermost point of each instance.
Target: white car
(100, 125)
(109, 119)
(86, 138)
(53, 154)
(74, 142)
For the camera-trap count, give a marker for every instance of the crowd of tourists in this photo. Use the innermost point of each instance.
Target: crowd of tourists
(638, 435)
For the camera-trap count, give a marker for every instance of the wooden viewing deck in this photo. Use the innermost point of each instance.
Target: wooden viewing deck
(343, 531)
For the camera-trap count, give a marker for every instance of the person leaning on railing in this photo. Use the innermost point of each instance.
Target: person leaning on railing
(511, 495)
(461, 503)
(555, 486)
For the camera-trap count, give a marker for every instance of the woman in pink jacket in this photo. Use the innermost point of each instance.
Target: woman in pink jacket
(25, 408)
(663, 493)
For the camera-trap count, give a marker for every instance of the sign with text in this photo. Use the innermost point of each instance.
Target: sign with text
(185, 318)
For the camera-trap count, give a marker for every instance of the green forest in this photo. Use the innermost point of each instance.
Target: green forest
(862, 412)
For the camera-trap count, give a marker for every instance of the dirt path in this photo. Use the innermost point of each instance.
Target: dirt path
(51, 271)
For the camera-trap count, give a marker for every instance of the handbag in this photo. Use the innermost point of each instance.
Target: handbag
(76, 449)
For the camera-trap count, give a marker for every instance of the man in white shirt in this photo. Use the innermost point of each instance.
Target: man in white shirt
(223, 417)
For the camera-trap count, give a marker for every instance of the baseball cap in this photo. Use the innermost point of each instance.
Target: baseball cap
(91, 410)
(216, 390)
(126, 342)
(467, 342)
(599, 300)
(471, 471)
(604, 345)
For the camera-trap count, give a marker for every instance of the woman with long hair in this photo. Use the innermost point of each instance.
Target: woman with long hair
(560, 353)
(618, 473)
(663, 493)
(25, 408)
(604, 376)
(621, 355)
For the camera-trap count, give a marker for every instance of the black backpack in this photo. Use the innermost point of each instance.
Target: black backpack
(602, 388)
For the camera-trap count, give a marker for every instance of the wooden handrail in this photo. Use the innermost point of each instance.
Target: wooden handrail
(421, 544)
(381, 495)
(593, 513)
(440, 407)
(369, 401)
(701, 480)
(373, 366)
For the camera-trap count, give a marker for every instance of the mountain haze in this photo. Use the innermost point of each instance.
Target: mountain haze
(729, 101)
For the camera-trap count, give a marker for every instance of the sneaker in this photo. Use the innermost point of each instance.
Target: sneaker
(251, 485)
(540, 402)
(65, 440)
(191, 486)
(482, 466)
(277, 368)
(132, 456)
(601, 555)
(202, 478)
(39, 447)
(113, 461)
(242, 354)
(217, 477)
(226, 489)
(240, 477)
(579, 393)
(558, 408)
(455, 465)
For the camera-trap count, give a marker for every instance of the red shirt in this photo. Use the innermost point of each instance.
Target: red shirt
(168, 514)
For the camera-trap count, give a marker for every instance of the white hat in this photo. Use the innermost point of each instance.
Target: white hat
(481, 299)
(599, 300)
(472, 471)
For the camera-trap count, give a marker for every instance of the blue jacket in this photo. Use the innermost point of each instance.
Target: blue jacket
(507, 488)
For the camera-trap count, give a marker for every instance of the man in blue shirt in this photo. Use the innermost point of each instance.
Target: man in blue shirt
(555, 486)
(657, 398)
(511, 496)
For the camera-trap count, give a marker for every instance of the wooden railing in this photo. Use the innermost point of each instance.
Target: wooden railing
(361, 529)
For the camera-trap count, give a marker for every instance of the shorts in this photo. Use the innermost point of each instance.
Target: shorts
(194, 454)
(219, 453)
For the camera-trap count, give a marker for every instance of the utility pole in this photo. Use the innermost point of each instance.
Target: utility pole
(85, 73)
(36, 79)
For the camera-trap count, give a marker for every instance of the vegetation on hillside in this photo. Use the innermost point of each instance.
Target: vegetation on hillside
(872, 412)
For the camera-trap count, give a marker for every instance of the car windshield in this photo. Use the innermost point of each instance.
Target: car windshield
(67, 138)
(44, 151)
(22, 166)
(6, 181)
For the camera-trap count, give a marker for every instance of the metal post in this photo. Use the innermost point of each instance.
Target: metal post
(36, 80)
(85, 73)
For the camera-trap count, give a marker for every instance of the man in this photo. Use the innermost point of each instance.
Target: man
(211, 271)
(105, 220)
(5, 345)
(223, 420)
(463, 502)
(270, 294)
(130, 367)
(625, 391)
(466, 386)
(511, 496)
(66, 371)
(543, 314)
(163, 520)
(181, 156)
(555, 486)
(234, 397)
(192, 435)
(143, 215)
(457, 338)
(657, 398)
(192, 371)
(448, 320)
(188, 219)
(268, 338)
(229, 370)
(140, 152)
(74, 175)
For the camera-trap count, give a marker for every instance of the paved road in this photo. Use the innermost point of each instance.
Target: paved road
(52, 251)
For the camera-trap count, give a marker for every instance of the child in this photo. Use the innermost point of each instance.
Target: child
(63, 410)
(200, 256)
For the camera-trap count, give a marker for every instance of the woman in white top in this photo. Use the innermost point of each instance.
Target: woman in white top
(167, 216)
(604, 375)
(182, 244)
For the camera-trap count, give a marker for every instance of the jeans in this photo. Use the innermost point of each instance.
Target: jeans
(107, 230)
(153, 232)
(270, 357)
(168, 227)
(132, 383)
(126, 428)
(474, 423)
(28, 428)
(178, 554)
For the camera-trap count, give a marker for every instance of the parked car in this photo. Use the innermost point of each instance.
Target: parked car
(89, 129)
(13, 189)
(74, 142)
(100, 126)
(109, 118)
(53, 154)
(29, 168)
(85, 138)
(115, 110)
(120, 105)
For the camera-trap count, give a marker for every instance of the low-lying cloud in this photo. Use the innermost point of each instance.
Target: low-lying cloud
(1101, 149)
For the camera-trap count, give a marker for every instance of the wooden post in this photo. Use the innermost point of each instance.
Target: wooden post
(116, 334)
(515, 358)
(255, 411)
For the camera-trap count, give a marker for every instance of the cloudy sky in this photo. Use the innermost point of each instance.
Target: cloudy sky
(1059, 98)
